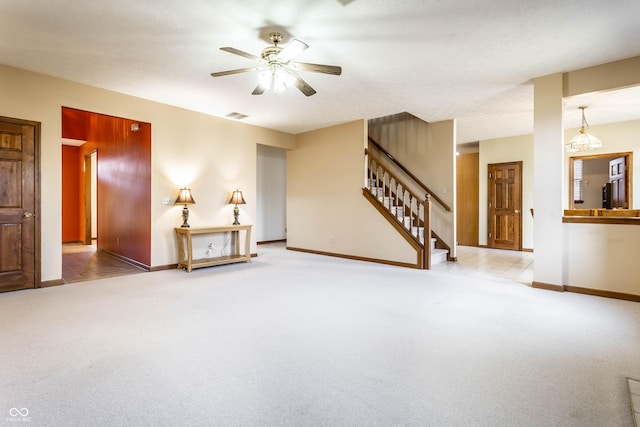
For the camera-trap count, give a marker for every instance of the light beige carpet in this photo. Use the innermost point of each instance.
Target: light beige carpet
(295, 339)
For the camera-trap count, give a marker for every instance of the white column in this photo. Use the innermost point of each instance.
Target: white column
(547, 182)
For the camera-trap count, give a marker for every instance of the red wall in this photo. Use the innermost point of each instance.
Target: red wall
(71, 173)
(124, 181)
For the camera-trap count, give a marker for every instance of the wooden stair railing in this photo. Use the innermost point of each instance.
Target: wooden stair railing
(411, 212)
(412, 176)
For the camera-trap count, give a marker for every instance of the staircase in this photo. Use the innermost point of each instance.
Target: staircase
(400, 195)
(407, 210)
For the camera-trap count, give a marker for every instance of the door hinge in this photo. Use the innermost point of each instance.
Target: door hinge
(489, 235)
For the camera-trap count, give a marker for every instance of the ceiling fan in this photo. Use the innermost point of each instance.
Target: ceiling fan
(277, 71)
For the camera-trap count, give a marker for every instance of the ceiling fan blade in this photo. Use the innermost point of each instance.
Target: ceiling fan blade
(291, 50)
(239, 70)
(302, 85)
(318, 68)
(239, 52)
(259, 90)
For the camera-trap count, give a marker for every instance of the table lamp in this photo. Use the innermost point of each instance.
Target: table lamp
(185, 197)
(236, 199)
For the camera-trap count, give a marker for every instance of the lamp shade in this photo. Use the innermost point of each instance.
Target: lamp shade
(583, 141)
(185, 197)
(236, 198)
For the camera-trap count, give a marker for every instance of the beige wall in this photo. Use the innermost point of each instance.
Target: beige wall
(613, 75)
(547, 175)
(603, 257)
(326, 210)
(503, 150)
(211, 155)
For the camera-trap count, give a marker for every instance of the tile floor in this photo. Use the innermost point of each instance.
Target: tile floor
(83, 262)
(493, 264)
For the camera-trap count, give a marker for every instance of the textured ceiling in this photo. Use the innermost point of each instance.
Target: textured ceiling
(471, 60)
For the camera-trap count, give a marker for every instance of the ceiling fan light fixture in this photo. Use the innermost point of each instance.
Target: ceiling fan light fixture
(276, 78)
(277, 72)
(282, 79)
(583, 141)
(265, 77)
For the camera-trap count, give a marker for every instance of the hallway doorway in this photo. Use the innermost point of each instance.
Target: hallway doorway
(81, 263)
(106, 194)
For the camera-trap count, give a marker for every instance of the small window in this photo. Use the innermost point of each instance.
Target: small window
(577, 182)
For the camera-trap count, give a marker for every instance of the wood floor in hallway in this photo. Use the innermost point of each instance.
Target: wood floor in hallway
(84, 262)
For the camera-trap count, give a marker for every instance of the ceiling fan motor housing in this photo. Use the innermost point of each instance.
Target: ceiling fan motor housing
(269, 53)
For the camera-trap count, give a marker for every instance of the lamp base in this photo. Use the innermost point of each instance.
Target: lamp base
(185, 217)
(236, 214)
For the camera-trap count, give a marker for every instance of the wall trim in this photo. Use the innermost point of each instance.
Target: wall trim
(600, 293)
(527, 250)
(266, 242)
(355, 258)
(163, 267)
(49, 283)
(547, 286)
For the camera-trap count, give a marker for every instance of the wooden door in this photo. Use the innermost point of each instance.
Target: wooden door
(467, 190)
(618, 179)
(19, 204)
(505, 206)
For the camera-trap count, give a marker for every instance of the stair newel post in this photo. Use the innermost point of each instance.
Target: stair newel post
(427, 231)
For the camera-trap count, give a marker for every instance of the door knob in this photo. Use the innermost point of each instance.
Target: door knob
(28, 214)
(516, 211)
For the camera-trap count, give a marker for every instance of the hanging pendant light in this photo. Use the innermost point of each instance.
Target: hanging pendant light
(583, 141)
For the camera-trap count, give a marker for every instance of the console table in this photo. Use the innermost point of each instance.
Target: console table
(185, 253)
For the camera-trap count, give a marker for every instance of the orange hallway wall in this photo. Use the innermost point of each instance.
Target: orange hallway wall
(71, 173)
